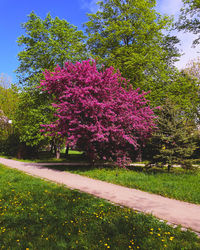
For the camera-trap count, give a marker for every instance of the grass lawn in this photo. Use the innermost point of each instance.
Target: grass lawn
(36, 214)
(177, 184)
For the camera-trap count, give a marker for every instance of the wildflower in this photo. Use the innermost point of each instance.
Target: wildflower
(171, 238)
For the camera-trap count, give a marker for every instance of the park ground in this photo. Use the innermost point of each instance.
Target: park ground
(79, 218)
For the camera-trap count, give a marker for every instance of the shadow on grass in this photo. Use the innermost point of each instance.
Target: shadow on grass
(76, 167)
(79, 163)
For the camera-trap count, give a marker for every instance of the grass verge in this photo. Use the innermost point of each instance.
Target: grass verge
(40, 215)
(178, 184)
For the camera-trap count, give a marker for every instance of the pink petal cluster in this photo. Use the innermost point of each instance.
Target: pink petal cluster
(97, 111)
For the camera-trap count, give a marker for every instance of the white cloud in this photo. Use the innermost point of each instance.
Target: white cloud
(89, 5)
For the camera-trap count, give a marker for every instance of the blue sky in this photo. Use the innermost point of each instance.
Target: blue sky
(13, 13)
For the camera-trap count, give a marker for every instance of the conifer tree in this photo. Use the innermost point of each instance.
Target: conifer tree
(173, 140)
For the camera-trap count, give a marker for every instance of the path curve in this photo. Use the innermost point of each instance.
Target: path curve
(173, 211)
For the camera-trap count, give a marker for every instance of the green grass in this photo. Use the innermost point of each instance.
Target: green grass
(35, 214)
(177, 184)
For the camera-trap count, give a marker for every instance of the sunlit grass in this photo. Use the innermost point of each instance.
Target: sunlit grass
(35, 214)
(178, 184)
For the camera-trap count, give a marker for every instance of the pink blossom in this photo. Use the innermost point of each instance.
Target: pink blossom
(97, 111)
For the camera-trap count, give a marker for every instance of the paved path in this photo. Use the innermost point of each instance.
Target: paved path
(173, 211)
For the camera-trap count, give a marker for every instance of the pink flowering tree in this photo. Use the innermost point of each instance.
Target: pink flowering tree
(97, 112)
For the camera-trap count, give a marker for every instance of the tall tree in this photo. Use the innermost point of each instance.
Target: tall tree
(189, 18)
(127, 34)
(47, 43)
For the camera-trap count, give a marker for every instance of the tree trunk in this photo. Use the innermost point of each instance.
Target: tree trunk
(52, 147)
(67, 151)
(139, 155)
(21, 151)
(57, 151)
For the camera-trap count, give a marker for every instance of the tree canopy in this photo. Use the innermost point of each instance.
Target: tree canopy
(45, 44)
(128, 36)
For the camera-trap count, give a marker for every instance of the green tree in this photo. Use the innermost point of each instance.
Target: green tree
(189, 18)
(173, 141)
(8, 96)
(8, 103)
(127, 34)
(192, 69)
(33, 110)
(45, 44)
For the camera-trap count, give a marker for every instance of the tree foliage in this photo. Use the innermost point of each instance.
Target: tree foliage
(97, 112)
(192, 69)
(173, 141)
(33, 109)
(189, 18)
(127, 34)
(45, 44)
(8, 96)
